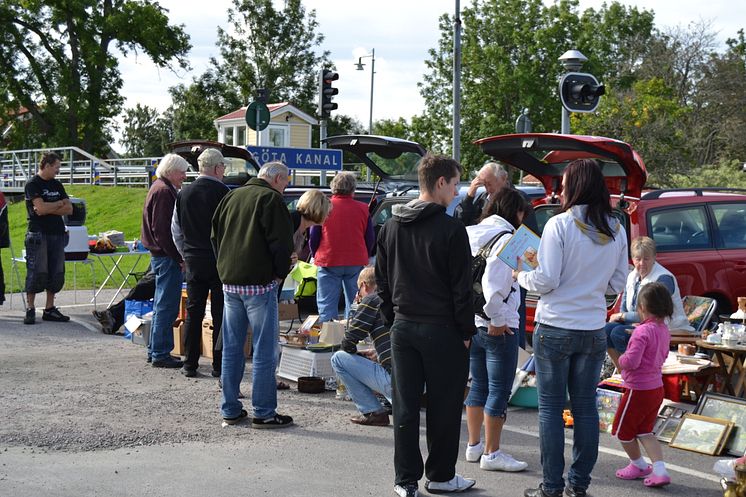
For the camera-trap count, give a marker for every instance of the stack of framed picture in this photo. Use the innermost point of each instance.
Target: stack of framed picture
(725, 407)
(669, 418)
(716, 425)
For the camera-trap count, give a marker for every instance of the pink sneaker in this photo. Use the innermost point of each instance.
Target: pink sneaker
(632, 472)
(657, 481)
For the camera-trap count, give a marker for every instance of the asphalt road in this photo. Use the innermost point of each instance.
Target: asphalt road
(84, 415)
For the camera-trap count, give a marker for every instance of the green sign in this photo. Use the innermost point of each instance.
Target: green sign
(251, 116)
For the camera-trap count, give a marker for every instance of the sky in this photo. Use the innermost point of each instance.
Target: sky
(400, 31)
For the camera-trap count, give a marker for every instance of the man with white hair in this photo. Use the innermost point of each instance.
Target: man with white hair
(252, 235)
(190, 227)
(493, 178)
(166, 261)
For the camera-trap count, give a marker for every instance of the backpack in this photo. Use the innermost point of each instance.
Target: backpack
(478, 265)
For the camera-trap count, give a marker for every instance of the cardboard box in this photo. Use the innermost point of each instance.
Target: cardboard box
(179, 337)
(207, 331)
(286, 312)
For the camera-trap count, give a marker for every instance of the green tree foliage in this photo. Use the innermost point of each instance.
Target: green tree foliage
(145, 132)
(509, 51)
(195, 107)
(56, 61)
(647, 115)
(726, 173)
(273, 49)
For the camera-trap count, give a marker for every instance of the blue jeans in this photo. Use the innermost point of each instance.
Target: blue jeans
(568, 361)
(492, 362)
(363, 378)
(617, 336)
(168, 279)
(260, 313)
(329, 280)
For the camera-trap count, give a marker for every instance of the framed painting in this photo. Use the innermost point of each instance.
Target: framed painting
(715, 405)
(701, 434)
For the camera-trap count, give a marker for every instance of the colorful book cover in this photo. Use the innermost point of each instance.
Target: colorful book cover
(524, 245)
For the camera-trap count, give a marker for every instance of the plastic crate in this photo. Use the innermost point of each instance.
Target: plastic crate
(525, 397)
(296, 362)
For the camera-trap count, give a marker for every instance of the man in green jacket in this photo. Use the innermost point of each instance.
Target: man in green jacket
(252, 235)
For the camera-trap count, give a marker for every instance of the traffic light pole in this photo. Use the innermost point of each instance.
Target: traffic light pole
(457, 83)
(322, 136)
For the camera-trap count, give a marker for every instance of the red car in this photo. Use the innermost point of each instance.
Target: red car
(700, 233)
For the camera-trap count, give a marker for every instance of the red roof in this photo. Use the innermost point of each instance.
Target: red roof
(240, 113)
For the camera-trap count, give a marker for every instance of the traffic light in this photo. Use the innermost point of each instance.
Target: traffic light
(580, 92)
(326, 92)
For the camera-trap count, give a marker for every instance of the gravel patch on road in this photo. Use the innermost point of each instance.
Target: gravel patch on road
(65, 387)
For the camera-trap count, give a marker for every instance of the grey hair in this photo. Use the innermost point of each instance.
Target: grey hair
(272, 170)
(497, 169)
(170, 163)
(343, 183)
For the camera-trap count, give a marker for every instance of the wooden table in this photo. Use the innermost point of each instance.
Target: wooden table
(735, 372)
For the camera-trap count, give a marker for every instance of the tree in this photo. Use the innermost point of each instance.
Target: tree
(145, 132)
(195, 107)
(510, 50)
(273, 49)
(56, 61)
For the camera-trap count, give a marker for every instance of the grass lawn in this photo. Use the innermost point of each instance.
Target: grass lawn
(108, 208)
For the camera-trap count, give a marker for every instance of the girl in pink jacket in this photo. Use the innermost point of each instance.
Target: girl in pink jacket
(641, 367)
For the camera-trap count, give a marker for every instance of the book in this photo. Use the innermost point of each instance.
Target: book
(524, 245)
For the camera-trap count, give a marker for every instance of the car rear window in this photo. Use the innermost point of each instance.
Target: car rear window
(731, 222)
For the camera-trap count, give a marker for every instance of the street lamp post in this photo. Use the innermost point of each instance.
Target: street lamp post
(360, 65)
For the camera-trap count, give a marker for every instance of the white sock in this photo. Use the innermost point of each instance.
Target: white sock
(640, 463)
(492, 455)
(659, 468)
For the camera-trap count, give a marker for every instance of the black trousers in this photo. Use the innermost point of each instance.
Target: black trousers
(432, 356)
(144, 289)
(202, 278)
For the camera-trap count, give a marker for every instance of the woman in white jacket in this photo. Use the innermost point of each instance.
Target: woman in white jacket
(582, 257)
(494, 349)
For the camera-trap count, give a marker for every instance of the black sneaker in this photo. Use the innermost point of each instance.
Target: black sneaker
(30, 317)
(215, 373)
(188, 372)
(406, 490)
(168, 362)
(236, 420)
(276, 421)
(54, 314)
(106, 320)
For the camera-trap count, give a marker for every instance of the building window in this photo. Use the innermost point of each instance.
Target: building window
(241, 136)
(229, 135)
(278, 136)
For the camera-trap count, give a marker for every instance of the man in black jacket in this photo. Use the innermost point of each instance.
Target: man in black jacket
(190, 227)
(424, 281)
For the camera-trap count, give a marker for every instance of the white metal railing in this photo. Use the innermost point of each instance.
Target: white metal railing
(78, 167)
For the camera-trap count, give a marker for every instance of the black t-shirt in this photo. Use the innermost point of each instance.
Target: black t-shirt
(49, 191)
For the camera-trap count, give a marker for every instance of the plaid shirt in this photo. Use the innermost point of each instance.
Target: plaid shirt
(251, 290)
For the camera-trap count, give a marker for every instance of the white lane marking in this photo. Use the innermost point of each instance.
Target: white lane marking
(623, 455)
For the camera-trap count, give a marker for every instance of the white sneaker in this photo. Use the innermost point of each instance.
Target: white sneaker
(473, 453)
(456, 484)
(500, 461)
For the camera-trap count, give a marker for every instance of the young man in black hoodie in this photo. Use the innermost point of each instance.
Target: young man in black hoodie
(424, 281)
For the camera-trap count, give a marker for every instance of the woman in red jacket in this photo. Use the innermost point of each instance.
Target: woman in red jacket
(341, 247)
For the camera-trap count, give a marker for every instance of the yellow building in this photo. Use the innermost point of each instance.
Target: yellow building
(288, 127)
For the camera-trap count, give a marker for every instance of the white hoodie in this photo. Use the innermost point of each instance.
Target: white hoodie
(497, 280)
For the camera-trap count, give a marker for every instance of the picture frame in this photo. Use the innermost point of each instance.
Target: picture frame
(701, 434)
(729, 408)
(668, 419)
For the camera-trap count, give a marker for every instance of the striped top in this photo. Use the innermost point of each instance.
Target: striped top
(367, 321)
